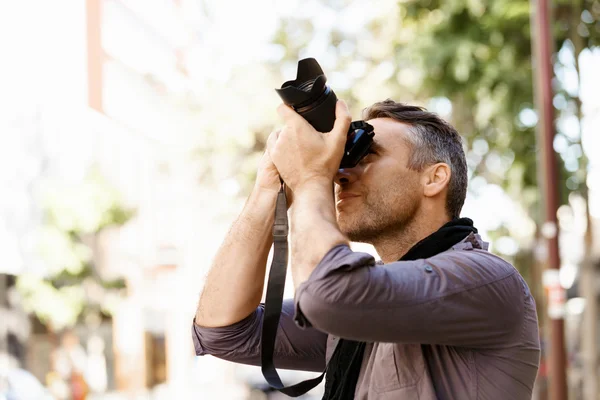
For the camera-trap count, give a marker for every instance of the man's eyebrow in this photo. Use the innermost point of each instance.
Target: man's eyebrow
(376, 146)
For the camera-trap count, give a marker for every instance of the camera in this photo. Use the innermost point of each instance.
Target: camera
(310, 97)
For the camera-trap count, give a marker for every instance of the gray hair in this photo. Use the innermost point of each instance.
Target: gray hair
(432, 140)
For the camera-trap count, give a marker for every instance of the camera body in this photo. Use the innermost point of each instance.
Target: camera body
(310, 97)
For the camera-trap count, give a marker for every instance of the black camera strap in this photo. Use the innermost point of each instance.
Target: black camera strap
(274, 302)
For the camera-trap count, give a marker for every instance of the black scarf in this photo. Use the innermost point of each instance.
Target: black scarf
(344, 366)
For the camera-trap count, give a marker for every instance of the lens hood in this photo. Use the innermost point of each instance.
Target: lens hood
(309, 95)
(308, 86)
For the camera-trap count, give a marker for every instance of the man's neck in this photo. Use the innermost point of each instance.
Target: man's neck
(395, 244)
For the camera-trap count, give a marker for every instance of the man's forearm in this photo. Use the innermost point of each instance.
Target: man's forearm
(235, 282)
(314, 228)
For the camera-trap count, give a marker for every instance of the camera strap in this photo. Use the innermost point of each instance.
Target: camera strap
(274, 302)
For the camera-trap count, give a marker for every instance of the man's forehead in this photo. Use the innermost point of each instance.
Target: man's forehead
(389, 133)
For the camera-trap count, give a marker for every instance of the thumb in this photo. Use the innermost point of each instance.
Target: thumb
(342, 121)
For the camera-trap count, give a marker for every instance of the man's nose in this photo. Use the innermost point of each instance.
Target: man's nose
(346, 176)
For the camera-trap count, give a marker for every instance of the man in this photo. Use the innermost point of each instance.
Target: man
(438, 318)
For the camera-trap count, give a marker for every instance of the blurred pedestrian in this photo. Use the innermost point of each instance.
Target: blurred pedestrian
(69, 368)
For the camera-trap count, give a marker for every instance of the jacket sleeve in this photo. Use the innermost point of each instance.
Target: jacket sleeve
(295, 348)
(465, 298)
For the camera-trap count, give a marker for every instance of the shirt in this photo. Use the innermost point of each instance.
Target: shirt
(459, 325)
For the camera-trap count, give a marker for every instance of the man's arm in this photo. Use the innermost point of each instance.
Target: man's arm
(460, 298)
(229, 318)
(314, 228)
(295, 348)
(235, 282)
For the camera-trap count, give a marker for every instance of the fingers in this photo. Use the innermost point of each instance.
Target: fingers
(342, 121)
(271, 140)
(339, 132)
(287, 113)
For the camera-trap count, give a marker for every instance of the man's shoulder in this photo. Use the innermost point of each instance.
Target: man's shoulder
(475, 266)
(473, 251)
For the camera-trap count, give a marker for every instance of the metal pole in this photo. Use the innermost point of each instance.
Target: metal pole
(4, 310)
(95, 54)
(542, 42)
(589, 326)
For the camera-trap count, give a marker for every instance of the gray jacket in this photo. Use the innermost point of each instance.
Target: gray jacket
(458, 325)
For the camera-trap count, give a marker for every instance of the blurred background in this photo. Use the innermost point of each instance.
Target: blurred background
(130, 136)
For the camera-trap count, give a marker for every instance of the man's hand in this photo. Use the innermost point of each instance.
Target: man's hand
(307, 161)
(267, 176)
(301, 154)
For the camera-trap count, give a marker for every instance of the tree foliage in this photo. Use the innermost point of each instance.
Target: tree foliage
(478, 54)
(72, 287)
(470, 60)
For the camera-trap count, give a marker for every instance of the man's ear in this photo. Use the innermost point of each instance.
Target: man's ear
(435, 178)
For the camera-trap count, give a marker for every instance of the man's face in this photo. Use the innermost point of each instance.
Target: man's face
(387, 193)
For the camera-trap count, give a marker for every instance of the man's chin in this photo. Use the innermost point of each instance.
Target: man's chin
(355, 234)
(351, 225)
(344, 224)
(359, 237)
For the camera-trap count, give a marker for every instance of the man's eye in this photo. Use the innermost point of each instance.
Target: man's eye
(367, 156)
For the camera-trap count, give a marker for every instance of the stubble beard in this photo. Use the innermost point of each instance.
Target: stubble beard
(377, 217)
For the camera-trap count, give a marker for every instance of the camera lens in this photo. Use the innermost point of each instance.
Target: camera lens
(309, 95)
(306, 86)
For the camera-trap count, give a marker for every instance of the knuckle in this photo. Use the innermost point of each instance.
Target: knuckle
(287, 130)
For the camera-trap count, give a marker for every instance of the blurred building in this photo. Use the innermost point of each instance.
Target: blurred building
(107, 87)
(144, 131)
